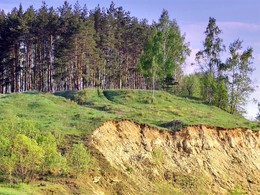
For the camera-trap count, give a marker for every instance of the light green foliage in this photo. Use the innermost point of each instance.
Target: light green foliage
(209, 86)
(26, 152)
(4, 144)
(237, 190)
(226, 85)
(150, 60)
(164, 52)
(157, 155)
(78, 159)
(26, 156)
(191, 86)
(239, 68)
(214, 89)
(53, 162)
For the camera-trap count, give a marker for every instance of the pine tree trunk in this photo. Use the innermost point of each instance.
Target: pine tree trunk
(153, 89)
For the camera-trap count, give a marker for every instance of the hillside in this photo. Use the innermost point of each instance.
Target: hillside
(130, 147)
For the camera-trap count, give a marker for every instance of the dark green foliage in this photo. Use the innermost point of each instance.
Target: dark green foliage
(70, 48)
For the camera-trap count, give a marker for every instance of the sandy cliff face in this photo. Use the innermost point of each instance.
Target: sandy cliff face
(195, 160)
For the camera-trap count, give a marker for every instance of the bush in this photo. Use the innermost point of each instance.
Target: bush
(78, 159)
(54, 162)
(26, 157)
(26, 152)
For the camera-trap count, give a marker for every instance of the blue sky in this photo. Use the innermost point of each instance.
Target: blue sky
(237, 19)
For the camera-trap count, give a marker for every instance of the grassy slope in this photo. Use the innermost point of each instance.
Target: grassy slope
(136, 105)
(58, 113)
(61, 114)
(50, 112)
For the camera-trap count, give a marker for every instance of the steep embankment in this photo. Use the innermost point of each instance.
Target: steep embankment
(195, 160)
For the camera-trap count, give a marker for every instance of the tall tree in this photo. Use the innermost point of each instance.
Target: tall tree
(29, 38)
(172, 45)
(239, 70)
(210, 63)
(209, 57)
(165, 50)
(150, 59)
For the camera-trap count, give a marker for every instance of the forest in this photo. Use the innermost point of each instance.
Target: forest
(73, 48)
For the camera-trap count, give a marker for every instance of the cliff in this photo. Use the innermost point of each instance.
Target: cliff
(198, 159)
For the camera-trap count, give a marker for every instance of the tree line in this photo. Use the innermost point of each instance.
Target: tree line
(226, 83)
(72, 48)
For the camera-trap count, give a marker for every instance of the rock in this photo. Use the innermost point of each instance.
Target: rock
(96, 179)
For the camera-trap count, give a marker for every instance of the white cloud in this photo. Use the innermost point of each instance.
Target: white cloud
(190, 64)
(194, 33)
(257, 57)
(239, 26)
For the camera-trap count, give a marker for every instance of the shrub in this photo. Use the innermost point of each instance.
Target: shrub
(54, 162)
(26, 157)
(157, 155)
(237, 190)
(78, 159)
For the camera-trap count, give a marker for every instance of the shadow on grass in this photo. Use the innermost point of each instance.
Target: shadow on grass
(66, 94)
(196, 99)
(174, 125)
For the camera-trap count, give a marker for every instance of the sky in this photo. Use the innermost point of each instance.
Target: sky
(236, 18)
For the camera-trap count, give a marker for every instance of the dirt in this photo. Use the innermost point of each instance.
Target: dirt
(135, 158)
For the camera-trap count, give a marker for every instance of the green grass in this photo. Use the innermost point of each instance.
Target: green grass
(61, 113)
(32, 189)
(167, 111)
(16, 189)
(50, 112)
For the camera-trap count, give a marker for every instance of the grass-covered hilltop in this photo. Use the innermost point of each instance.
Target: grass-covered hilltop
(78, 112)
